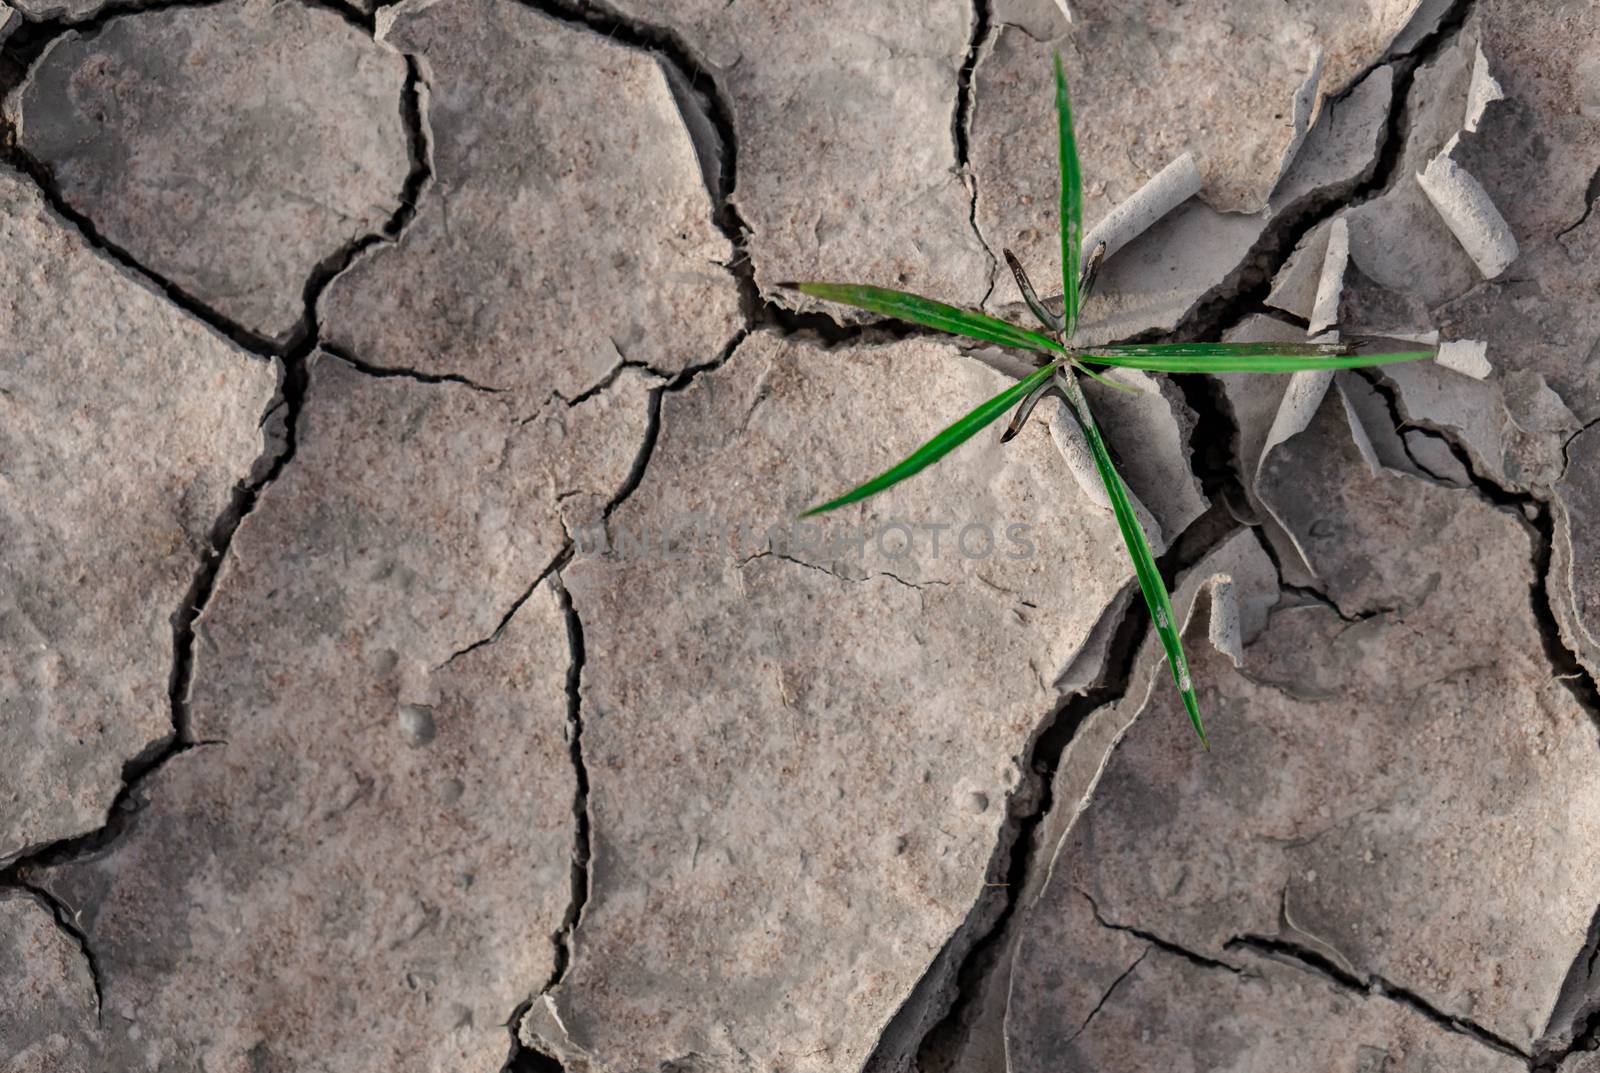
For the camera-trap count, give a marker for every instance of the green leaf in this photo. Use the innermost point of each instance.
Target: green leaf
(928, 313)
(1144, 561)
(1240, 357)
(942, 444)
(1071, 202)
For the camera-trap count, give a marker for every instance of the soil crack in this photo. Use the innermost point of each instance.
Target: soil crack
(1373, 985)
(1160, 943)
(966, 98)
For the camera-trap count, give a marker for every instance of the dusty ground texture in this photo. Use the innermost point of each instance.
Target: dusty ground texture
(409, 658)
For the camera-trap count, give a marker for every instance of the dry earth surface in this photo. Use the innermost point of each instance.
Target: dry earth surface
(408, 661)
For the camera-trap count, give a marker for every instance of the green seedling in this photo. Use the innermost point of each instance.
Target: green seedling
(1060, 361)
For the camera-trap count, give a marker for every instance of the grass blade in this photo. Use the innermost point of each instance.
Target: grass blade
(1071, 202)
(1241, 357)
(928, 313)
(942, 444)
(1144, 562)
(1024, 411)
(1020, 274)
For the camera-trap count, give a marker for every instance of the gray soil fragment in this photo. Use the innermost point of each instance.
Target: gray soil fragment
(1372, 310)
(1350, 132)
(404, 898)
(229, 149)
(1513, 426)
(1302, 396)
(1166, 190)
(1160, 277)
(1575, 572)
(1074, 448)
(1374, 790)
(1349, 540)
(1463, 203)
(116, 459)
(1372, 425)
(694, 112)
(769, 704)
(71, 10)
(1067, 435)
(1294, 288)
(1482, 91)
(48, 1005)
(1471, 412)
(1148, 429)
(843, 114)
(1330, 287)
(567, 230)
(1089, 666)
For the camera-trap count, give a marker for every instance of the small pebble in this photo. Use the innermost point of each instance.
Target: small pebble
(416, 722)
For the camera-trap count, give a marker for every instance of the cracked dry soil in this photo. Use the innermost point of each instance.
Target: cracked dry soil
(373, 697)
